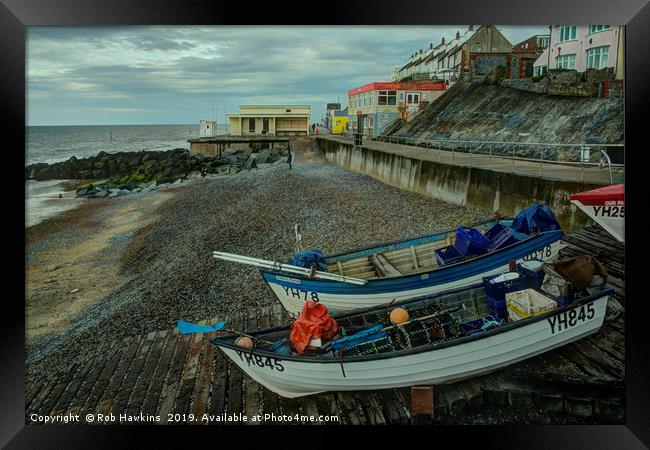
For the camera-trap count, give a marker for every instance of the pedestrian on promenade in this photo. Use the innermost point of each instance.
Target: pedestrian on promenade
(313, 127)
(290, 159)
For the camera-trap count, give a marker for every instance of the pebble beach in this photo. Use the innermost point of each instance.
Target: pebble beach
(119, 267)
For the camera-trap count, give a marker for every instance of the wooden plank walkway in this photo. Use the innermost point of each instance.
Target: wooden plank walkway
(172, 376)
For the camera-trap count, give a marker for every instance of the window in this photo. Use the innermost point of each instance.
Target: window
(566, 61)
(251, 125)
(387, 98)
(596, 28)
(412, 98)
(370, 99)
(567, 32)
(540, 70)
(597, 57)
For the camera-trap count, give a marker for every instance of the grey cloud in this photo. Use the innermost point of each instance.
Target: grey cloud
(166, 74)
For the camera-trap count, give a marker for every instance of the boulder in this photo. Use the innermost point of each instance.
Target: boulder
(263, 156)
(225, 170)
(250, 162)
(229, 152)
(100, 193)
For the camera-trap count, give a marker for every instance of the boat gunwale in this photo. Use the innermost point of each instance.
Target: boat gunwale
(399, 241)
(417, 273)
(224, 340)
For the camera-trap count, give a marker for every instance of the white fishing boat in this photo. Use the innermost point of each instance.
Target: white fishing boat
(606, 206)
(447, 337)
(412, 267)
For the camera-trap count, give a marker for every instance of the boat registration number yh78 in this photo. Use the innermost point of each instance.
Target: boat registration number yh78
(301, 294)
(260, 361)
(544, 252)
(569, 319)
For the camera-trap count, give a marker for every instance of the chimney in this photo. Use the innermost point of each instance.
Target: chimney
(457, 34)
(420, 51)
(430, 45)
(442, 41)
(471, 28)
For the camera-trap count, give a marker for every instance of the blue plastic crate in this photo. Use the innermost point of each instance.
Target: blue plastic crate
(497, 291)
(500, 236)
(496, 303)
(535, 279)
(448, 255)
(499, 313)
(470, 241)
(562, 300)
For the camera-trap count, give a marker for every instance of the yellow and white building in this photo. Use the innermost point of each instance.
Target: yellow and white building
(277, 120)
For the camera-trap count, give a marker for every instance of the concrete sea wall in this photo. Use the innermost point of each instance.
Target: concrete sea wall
(492, 191)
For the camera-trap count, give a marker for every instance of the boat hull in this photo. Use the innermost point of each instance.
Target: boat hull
(292, 291)
(293, 378)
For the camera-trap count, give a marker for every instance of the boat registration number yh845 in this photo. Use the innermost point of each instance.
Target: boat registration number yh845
(260, 361)
(569, 319)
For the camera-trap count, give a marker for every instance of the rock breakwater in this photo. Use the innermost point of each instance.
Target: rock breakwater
(124, 172)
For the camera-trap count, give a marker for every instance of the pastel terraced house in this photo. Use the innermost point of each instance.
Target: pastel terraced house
(583, 47)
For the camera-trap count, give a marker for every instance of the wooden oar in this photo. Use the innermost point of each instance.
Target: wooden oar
(275, 265)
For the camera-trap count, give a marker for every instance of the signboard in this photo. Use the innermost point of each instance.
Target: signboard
(335, 106)
(400, 86)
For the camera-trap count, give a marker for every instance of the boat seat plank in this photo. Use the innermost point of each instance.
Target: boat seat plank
(383, 266)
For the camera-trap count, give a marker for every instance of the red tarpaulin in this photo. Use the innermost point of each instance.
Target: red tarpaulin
(313, 322)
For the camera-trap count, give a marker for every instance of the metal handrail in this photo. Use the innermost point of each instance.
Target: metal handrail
(548, 144)
(438, 143)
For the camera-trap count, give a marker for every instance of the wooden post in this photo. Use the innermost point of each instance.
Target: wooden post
(422, 400)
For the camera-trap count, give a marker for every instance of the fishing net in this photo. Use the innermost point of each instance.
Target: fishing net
(411, 335)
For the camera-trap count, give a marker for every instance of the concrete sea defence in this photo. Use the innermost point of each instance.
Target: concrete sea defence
(499, 192)
(492, 113)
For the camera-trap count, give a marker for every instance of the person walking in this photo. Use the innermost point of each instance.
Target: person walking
(313, 127)
(290, 158)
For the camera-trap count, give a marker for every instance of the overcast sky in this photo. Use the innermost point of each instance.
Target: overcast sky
(179, 75)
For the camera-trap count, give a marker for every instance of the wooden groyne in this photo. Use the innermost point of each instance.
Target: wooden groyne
(172, 376)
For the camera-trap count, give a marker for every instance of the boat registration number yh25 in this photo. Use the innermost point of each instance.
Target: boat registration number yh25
(260, 361)
(569, 319)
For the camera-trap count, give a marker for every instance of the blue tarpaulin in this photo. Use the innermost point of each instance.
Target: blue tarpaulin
(190, 328)
(309, 258)
(535, 216)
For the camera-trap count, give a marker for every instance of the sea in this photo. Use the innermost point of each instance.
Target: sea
(50, 144)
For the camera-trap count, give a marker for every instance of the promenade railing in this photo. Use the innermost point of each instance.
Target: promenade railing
(579, 156)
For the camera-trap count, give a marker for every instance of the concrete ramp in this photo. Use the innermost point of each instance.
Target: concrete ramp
(307, 150)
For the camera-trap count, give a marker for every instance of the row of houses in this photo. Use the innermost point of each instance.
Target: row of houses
(478, 49)
(448, 59)
(583, 47)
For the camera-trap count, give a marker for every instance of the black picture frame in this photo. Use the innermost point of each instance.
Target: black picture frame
(16, 15)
